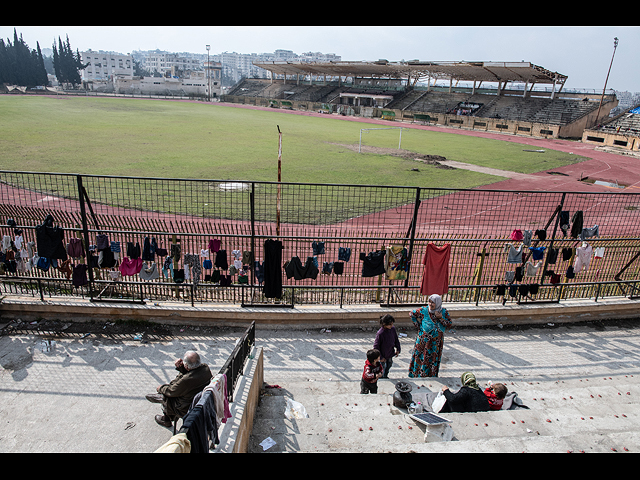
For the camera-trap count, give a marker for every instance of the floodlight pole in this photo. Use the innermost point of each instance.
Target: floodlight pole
(615, 45)
(208, 70)
(279, 180)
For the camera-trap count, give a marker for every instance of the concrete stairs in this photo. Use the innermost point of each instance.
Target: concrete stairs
(588, 414)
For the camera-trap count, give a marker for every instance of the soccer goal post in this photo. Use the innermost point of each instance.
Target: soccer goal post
(383, 128)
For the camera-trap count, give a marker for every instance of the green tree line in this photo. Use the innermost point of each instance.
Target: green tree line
(20, 65)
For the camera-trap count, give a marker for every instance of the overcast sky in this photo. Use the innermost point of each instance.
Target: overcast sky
(581, 53)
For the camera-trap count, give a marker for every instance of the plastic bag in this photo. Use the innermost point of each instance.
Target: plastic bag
(438, 402)
(295, 410)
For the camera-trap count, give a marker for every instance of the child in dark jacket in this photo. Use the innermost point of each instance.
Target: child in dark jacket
(372, 372)
(387, 342)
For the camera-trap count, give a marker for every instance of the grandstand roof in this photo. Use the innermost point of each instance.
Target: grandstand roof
(523, 72)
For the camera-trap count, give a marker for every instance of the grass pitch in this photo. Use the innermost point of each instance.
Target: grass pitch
(172, 139)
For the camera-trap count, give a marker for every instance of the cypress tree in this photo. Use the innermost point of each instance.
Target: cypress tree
(67, 64)
(19, 65)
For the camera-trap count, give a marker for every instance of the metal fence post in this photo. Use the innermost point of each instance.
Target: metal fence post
(85, 232)
(414, 223)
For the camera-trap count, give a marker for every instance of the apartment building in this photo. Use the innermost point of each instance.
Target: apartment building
(163, 62)
(104, 66)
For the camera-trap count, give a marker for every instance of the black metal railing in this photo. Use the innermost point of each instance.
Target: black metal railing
(242, 215)
(234, 365)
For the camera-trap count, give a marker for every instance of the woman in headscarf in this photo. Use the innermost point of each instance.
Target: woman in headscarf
(470, 398)
(431, 322)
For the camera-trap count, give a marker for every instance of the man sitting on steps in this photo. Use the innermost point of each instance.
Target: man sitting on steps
(176, 397)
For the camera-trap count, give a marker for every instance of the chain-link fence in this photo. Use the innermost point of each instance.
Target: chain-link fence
(130, 239)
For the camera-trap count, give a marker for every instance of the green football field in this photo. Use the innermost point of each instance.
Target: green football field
(173, 139)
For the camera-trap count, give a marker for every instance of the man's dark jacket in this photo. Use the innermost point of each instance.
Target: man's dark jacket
(185, 386)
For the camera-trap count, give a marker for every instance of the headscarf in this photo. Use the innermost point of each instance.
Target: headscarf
(437, 299)
(469, 380)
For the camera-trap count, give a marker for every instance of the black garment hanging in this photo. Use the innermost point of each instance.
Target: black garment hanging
(576, 228)
(221, 260)
(552, 256)
(106, 258)
(373, 263)
(79, 275)
(133, 251)
(49, 240)
(195, 425)
(564, 222)
(272, 269)
(149, 249)
(295, 269)
(519, 274)
(207, 400)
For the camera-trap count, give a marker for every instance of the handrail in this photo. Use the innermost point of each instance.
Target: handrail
(234, 365)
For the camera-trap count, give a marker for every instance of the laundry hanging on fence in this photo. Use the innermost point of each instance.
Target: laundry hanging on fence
(79, 275)
(107, 258)
(372, 263)
(516, 235)
(344, 254)
(577, 220)
(258, 269)
(396, 263)
(214, 245)
(75, 248)
(130, 266)
(552, 255)
(149, 272)
(435, 275)
(531, 269)
(49, 239)
(221, 259)
(590, 232)
(583, 258)
(318, 248)
(537, 252)
(149, 249)
(515, 254)
(272, 269)
(133, 250)
(193, 261)
(102, 241)
(564, 222)
(338, 268)
(294, 269)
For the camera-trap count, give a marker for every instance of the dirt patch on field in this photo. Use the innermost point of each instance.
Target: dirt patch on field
(434, 160)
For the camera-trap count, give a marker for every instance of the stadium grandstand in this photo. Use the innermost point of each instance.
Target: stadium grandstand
(491, 96)
(621, 132)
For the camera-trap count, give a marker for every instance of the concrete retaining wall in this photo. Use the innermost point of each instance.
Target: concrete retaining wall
(463, 314)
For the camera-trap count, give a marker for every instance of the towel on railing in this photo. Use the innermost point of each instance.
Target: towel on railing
(218, 386)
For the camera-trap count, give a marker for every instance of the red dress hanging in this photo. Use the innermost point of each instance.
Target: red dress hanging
(435, 276)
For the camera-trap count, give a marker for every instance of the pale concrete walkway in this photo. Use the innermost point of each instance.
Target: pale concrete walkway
(76, 393)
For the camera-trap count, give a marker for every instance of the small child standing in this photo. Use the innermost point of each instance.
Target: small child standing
(387, 342)
(372, 372)
(495, 393)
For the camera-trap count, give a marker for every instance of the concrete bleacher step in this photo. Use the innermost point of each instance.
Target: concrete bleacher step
(595, 414)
